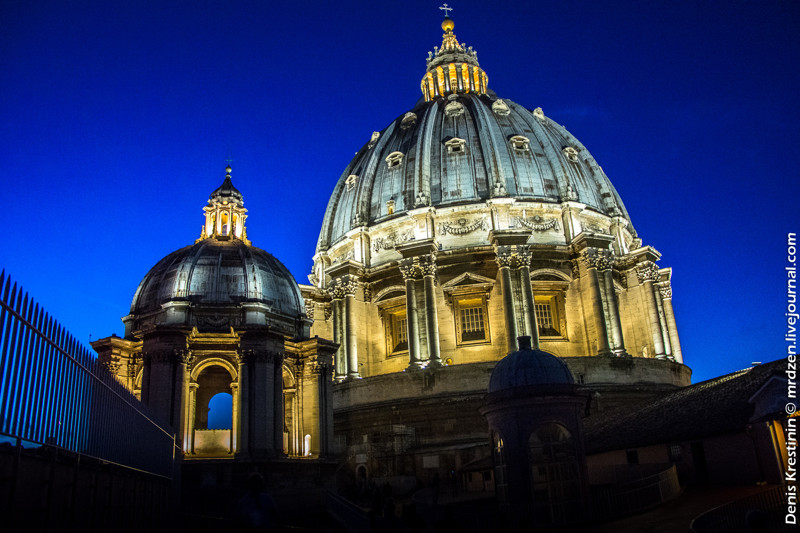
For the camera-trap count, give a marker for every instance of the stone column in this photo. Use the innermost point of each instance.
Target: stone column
(277, 404)
(340, 360)
(662, 320)
(647, 273)
(505, 260)
(666, 297)
(428, 266)
(190, 418)
(606, 270)
(528, 300)
(243, 425)
(411, 272)
(235, 417)
(592, 259)
(343, 292)
(183, 359)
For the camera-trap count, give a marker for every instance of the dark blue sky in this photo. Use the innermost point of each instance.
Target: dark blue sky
(117, 118)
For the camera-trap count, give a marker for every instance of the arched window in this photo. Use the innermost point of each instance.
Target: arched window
(555, 475)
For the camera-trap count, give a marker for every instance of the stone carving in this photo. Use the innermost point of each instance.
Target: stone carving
(462, 226)
(569, 194)
(427, 264)
(499, 189)
(595, 228)
(374, 139)
(571, 154)
(113, 367)
(259, 356)
(599, 259)
(647, 271)
(327, 311)
(537, 223)
(391, 240)
(500, 108)
(309, 308)
(513, 256)
(359, 220)
(341, 287)
(409, 120)
(454, 109)
(422, 199)
(416, 267)
(168, 356)
(538, 113)
(216, 321)
(350, 182)
(347, 256)
(666, 292)
(367, 292)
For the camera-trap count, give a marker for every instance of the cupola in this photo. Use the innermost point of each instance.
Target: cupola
(453, 68)
(225, 213)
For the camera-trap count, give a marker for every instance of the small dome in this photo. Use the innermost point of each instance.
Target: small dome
(214, 272)
(529, 368)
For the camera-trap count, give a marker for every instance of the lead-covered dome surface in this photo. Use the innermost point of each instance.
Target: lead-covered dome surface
(466, 148)
(529, 368)
(214, 272)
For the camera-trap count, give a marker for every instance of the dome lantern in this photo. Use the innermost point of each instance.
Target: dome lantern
(225, 213)
(453, 68)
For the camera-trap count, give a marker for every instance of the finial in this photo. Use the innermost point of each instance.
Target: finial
(228, 170)
(446, 8)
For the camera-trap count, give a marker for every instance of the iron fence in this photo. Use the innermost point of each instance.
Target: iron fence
(53, 392)
(764, 511)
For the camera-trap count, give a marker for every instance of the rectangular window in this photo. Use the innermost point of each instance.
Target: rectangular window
(547, 317)
(472, 324)
(471, 317)
(399, 331)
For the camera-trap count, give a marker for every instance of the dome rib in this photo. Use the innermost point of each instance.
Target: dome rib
(544, 173)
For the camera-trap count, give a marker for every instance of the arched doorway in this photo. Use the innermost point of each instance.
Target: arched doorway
(211, 406)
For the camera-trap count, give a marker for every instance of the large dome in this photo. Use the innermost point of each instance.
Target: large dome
(464, 149)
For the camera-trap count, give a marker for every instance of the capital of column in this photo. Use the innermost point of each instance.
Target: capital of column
(168, 356)
(665, 290)
(647, 271)
(259, 356)
(411, 269)
(112, 366)
(427, 264)
(342, 287)
(513, 256)
(597, 258)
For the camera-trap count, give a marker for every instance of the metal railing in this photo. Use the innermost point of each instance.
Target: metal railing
(637, 495)
(53, 392)
(764, 511)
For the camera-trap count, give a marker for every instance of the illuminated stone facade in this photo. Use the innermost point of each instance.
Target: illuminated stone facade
(222, 316)
(465, 223)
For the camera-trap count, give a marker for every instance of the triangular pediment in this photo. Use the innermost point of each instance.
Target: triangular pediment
(467, 279)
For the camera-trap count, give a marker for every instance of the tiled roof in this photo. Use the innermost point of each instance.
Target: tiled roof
(714, 407)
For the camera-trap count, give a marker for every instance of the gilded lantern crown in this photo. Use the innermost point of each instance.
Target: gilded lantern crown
(453, 68)
(225, 213)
